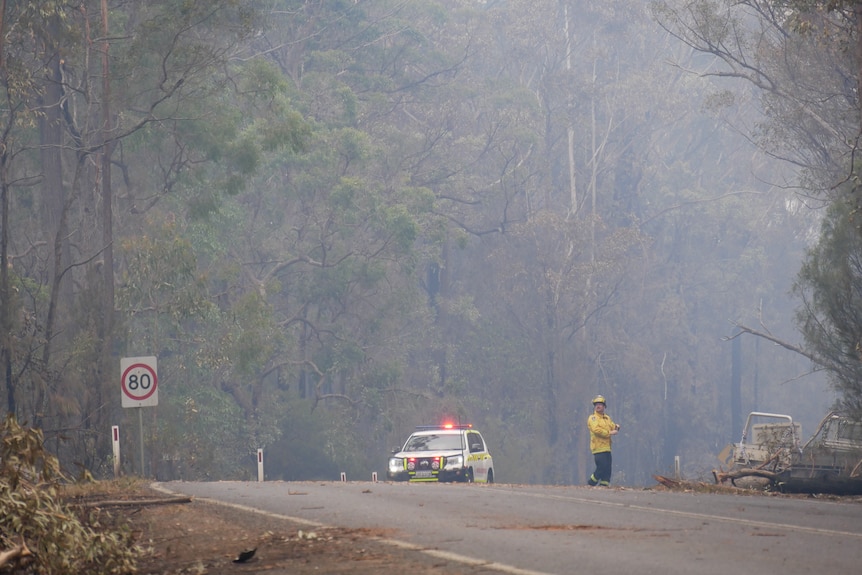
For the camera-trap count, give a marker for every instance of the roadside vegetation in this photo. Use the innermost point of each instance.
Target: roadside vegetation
(333, 221)
(40, 532)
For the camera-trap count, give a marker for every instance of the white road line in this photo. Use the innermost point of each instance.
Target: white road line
(472, 561)
(462, 558)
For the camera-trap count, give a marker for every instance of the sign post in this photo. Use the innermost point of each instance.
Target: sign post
(140, 385)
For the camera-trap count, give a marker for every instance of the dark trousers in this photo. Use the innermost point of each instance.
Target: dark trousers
(602, 474)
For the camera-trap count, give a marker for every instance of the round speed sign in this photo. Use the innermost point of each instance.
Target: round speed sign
(140, 381)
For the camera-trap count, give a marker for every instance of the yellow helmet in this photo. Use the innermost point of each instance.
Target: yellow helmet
(599, 399)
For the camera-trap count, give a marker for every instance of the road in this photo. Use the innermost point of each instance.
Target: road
(542, 530)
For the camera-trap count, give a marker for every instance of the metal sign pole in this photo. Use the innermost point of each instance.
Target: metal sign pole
(141, 436)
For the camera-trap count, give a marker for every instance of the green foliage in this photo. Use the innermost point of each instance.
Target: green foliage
(830, 288)
(61, 541)
(256, 337)
(161, 275)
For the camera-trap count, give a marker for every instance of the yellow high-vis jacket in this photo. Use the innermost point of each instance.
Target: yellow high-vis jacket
(600, 432)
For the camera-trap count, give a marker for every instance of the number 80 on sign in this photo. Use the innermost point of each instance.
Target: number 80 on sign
(140, 381)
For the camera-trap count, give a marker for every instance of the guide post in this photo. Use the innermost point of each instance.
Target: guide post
(115, 442)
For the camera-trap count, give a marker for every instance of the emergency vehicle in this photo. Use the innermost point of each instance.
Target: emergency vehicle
(446, 452)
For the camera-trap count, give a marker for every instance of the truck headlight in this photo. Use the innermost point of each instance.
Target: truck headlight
(396, 464)
(454, 462)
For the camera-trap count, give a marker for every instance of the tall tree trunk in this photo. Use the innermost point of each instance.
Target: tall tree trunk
(570, 128)
(5, 311)
(5, 308)
(105, 372)
(857, 13)
(107, 190)
(54, 206)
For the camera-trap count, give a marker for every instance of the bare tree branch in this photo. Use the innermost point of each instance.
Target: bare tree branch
(786, 345)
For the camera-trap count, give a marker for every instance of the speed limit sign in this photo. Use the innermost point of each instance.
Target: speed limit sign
(140, 381)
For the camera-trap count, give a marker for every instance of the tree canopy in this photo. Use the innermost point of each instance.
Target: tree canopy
(332, 221)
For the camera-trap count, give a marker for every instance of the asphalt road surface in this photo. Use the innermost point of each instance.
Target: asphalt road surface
(541, 530)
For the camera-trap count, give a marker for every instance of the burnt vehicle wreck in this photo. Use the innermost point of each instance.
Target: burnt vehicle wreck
(771, 454)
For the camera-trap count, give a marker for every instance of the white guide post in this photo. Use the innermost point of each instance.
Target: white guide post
(115, 440)
(260, 465)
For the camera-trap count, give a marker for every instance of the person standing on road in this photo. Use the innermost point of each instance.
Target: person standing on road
(602, 427)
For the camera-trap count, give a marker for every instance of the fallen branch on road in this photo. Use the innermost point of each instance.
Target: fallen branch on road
(667, 481)
(722, 476)
(132, 502)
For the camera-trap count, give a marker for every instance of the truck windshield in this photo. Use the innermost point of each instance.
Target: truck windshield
(434, 443)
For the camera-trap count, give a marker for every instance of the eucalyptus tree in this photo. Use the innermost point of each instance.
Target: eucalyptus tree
(587, 285)
(528, 232)
(798, 56)
(37, 199)
(515, 158)
(516, 154)
(319, 252)
(289, 183)
(20, 80)
(804, 60)
(415, 153)
(829, 287)
(187, 286)
(112, 85)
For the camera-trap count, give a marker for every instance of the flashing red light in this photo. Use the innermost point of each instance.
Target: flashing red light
(444, 426)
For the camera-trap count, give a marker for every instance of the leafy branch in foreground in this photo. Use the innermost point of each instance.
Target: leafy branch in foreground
(38, 534)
